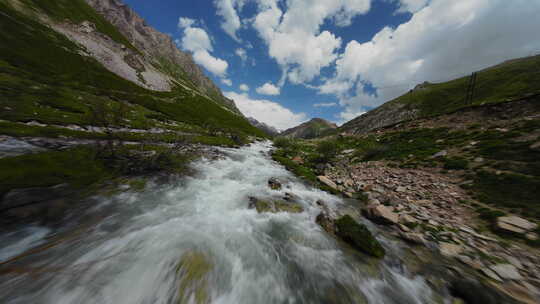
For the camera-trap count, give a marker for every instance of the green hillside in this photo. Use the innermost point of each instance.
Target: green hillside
(508, 80)
(43, 78)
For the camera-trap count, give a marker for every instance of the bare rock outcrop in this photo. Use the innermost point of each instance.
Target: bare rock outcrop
(158, 49)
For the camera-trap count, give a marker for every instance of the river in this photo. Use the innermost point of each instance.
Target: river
(196, 241)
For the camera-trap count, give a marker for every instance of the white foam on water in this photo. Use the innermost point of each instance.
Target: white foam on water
(132, 255)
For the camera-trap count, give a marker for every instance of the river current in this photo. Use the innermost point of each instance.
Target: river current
(197, 241)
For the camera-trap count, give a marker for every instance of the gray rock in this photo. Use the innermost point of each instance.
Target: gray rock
(449, 249)
(491, 274)
(415, 238)
(506, 271)
(515, 224)
(325, 180)
(382, 214)
(442, 153)
(535, 146)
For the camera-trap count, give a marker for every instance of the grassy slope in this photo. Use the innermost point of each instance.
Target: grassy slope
(50, 82)
(43, 78)
(508, 80)
(312, 129)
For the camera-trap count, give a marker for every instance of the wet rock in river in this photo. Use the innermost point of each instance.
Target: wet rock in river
(358, 236)
(274, 206)
(193, 271)
(274, 184)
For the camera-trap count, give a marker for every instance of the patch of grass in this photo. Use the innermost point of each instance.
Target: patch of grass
(509, 191)
(456, 164)
(327, 149)
(78, 167)
(295, 168)
(495, 84)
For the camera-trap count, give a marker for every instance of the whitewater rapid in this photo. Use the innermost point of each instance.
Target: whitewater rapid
(131, 253)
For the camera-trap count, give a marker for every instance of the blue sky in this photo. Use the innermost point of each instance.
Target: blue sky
(286, 61)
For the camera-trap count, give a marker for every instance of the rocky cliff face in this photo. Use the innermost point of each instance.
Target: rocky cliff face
(158, 49)
(311, 129)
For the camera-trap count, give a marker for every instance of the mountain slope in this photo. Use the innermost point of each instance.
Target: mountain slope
(269, 130)
(310, 129)
(510, 80)
(61, 81)
(159, 49)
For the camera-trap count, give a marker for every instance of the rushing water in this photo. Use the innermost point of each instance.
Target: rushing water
(133, 252)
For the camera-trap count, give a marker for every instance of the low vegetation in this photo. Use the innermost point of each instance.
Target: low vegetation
(502, 168)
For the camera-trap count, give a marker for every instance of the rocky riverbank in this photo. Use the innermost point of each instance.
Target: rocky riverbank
(430, 209)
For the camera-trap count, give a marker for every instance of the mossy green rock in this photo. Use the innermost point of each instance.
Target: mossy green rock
(275, 206)
(358, 236)
(193, 270)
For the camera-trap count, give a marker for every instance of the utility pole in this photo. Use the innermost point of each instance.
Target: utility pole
(470, 89)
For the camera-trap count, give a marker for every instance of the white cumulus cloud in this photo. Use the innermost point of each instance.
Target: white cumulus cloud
(294, 37)
(325, 104)
(231, 22)
(197, 41)
(266, 111)
(244, 87)
(226, 81)
(240, 52)
(443, 40)
(268, 89)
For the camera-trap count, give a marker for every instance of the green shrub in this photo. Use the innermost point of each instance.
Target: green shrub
(283, 142)
(328, 149)
(456, 164)
(489, 215)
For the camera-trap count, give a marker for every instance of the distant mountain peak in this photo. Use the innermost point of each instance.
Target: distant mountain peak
(310, 129)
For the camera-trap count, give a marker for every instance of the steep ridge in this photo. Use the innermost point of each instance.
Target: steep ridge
(158, 48)
(269, 130)
(311, 129)
(510, 80)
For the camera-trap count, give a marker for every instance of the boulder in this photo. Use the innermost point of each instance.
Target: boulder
(491, 274)
(407, 219)
(274, 184)
(535, 146)
(358, 236)
(415, 238)
(381, 214)
(506, 271)
(326, 222)
(442, 153)
(325, 180)
(449, 249)
(275, 206)
(515, 224)
(532, 236)
(193, 271)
